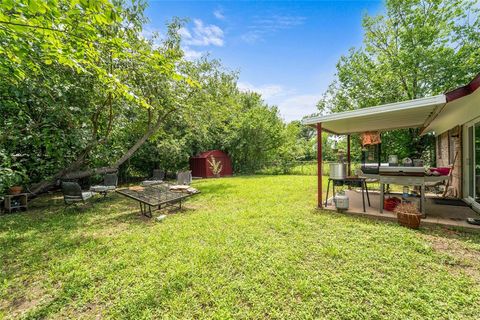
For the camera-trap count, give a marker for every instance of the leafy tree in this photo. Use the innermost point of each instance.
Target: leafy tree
(83, 93)
(256, 134)
(70, 33)
(82, 69)
(418, 48)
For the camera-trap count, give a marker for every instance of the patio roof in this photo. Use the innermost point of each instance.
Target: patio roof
(406, 114)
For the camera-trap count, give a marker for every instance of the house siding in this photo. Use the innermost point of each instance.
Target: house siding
(448, 144)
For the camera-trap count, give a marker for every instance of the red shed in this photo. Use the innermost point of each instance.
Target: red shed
(201, 167)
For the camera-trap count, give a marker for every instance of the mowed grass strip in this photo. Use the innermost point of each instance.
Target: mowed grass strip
(247, 247)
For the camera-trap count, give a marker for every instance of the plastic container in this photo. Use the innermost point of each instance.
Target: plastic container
(417, 162)
(407, 162)
(392, 160)
(390, 204)
(406, 191)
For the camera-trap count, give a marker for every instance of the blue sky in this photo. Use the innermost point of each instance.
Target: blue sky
(285, 50)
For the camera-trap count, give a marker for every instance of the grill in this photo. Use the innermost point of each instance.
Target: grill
(402, 171)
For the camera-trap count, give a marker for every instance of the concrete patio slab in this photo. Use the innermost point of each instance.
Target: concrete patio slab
(437, 215)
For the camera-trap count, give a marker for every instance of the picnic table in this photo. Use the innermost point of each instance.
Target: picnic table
(157, 196)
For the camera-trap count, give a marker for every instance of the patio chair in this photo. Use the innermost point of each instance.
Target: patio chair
(360, 173)
(435, 187)
(158, 175)
(110, 182)
(184, 177)
(157, 178)
(443, 187)
(72, 193)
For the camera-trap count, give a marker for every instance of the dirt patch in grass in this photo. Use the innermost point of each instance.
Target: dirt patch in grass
(19, 305)
(459, 256)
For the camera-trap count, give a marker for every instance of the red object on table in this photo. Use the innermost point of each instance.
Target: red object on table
(444, 171)
(391, 203)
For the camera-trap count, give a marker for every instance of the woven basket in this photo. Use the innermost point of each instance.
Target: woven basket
(408, 215)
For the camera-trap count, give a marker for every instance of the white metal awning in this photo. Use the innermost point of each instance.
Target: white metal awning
(454, 113)
(406, 114)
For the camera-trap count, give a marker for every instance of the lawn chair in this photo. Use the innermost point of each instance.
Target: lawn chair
(72, 193)
(360, 173)
(444, 186)
(158, 175)
(157, 178)
(435, 187)
(184, 177)
(110, 182)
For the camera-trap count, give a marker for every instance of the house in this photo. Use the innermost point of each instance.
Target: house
(454, 118)
(456, 125)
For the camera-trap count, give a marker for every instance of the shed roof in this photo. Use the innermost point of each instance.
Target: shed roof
(209, 153)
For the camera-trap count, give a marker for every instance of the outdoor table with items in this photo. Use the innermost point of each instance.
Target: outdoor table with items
(405, 176)
(158, 196)
(406, 172)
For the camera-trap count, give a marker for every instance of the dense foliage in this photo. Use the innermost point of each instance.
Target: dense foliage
(84, 93)
(416, 49)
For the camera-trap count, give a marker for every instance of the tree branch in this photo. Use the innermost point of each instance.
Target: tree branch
(42, 28)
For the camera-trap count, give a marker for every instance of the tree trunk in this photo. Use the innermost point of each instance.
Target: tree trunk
(47, 184)
(71, 172)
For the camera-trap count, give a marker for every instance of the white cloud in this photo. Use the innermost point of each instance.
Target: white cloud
(292, 106)
(267, 91)
(191, 54)
(218, 13)
(153, 34)
(251, 37)
(297, 106)
(262, 27)
(202, 35)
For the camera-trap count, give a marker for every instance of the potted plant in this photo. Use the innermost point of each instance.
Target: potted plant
(215, 166)
(12, 180)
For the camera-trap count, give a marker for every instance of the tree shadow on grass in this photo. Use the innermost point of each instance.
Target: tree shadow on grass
(39, 245)
(28, 263)
(135, 217)
(31, 240)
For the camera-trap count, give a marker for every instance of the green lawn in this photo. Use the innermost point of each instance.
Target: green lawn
(247, 247)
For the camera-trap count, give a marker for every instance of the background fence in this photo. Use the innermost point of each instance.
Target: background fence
(308, 168)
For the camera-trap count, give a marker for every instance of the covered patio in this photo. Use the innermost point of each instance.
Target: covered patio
(418, 113)
(438, 214)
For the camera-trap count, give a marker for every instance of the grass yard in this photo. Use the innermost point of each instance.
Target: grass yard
(247, 247)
